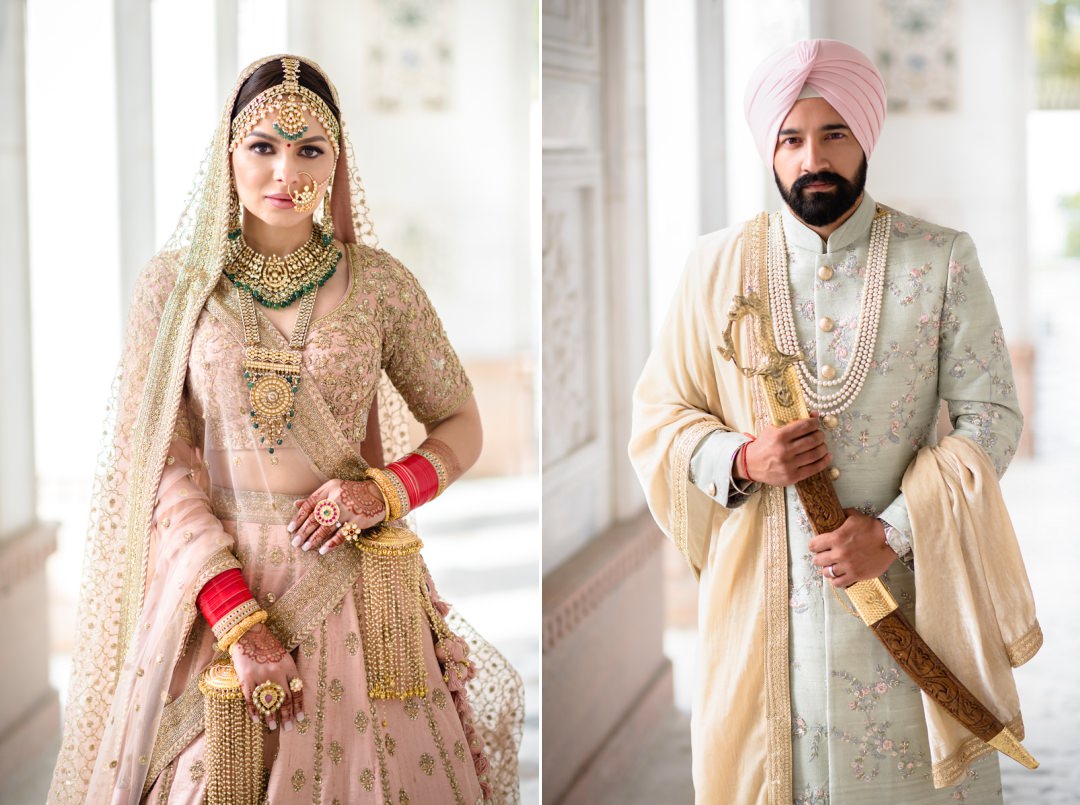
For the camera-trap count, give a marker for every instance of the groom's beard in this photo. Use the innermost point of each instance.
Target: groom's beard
(821, 208)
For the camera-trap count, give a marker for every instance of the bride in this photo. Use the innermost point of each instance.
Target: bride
(256, 623)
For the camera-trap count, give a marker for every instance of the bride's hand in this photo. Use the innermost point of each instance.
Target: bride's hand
(358, 502)
(258, 657)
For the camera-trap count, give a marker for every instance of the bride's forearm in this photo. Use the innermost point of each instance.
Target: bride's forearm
(459, 435)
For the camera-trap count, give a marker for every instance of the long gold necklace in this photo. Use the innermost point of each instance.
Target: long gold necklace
(272, 375)
(275, 281)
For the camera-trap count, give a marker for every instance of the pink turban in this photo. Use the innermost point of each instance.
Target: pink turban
(842, 75)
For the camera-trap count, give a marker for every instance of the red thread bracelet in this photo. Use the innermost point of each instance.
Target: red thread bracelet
(742, 451)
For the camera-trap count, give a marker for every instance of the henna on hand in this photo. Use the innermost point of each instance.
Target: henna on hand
(363, 498)
(259, 645)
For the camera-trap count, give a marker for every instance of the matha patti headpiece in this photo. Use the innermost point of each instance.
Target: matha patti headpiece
(290, 101)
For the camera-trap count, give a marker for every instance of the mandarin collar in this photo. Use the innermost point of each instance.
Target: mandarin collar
(801, 236)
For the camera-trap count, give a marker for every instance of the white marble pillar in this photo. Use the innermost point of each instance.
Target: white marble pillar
(29, 710)
(226, 35)
(712, 142)
(134, 139)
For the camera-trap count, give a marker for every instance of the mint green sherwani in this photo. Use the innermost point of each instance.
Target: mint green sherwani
(859, 735)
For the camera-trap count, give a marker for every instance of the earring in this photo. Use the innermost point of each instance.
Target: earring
(233, 224)
(327, 219)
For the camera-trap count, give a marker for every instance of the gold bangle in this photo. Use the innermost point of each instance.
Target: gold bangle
(228, 622)
(382, 479)
(226, 641)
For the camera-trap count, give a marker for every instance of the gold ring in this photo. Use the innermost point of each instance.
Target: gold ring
(268, 697)
(326, 512)
(296, 684)
(350, 532)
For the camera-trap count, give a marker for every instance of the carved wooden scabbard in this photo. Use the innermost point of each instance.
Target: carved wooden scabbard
(871, 599)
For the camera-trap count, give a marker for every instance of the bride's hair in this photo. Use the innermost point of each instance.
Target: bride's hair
(270, 74)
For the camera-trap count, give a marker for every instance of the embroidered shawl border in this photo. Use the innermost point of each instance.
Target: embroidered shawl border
(680, 484)
(151, 438)
(951, 770)
(777, 686)
(1023, 649)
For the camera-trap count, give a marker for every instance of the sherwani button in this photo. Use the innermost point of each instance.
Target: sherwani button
(711, 490)
(826, 324)
(825, 272)
(830, 421)
(834, 473)
(828, 372)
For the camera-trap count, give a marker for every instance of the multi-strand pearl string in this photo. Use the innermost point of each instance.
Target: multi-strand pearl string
(851, 382)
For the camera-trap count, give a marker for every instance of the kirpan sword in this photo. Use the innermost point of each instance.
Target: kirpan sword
(871, 599)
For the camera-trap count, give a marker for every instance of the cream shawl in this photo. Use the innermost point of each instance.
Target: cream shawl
(973, 603)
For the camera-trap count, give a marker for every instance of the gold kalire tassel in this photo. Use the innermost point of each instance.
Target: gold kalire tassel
(393, 614)
(234, 743)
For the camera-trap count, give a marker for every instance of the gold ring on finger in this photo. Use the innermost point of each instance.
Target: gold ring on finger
(296, 684)
(326, 512)
(268, 697)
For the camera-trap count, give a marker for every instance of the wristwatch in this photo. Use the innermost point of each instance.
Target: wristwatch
(894, 538)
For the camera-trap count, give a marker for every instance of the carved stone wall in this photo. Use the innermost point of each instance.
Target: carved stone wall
(605, 675)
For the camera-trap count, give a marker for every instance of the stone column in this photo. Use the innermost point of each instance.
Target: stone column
(30, 709)
(134, 140)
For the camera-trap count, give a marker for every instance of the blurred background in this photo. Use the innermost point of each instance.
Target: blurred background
(645, 147)
(109, 105)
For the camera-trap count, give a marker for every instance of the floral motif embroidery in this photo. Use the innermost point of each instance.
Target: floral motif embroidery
(337, 690)
(335, 752)
(361, 721)
(298, 779)
(427, 764)
(367, 779)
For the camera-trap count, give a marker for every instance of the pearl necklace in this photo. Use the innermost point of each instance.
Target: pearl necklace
(851, 382)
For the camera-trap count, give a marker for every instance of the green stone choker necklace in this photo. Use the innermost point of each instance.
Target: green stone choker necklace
(276, 282)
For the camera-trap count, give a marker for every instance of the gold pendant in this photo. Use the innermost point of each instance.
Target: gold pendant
(273, 376)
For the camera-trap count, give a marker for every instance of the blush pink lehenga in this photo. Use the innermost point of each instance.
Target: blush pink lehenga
(350, 749)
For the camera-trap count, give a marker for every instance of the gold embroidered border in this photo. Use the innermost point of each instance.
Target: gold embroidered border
(778, 761)
(151, 438)
(952, 769)
(218, 563)
(680, 484)
(306, 604)
(252, 506)
(1022, 650)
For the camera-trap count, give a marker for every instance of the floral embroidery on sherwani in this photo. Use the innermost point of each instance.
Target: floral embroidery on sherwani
(858, 731)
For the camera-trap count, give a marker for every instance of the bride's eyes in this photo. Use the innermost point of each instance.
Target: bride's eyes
(309, 151)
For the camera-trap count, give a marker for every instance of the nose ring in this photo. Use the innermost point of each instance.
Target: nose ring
(304, 199)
